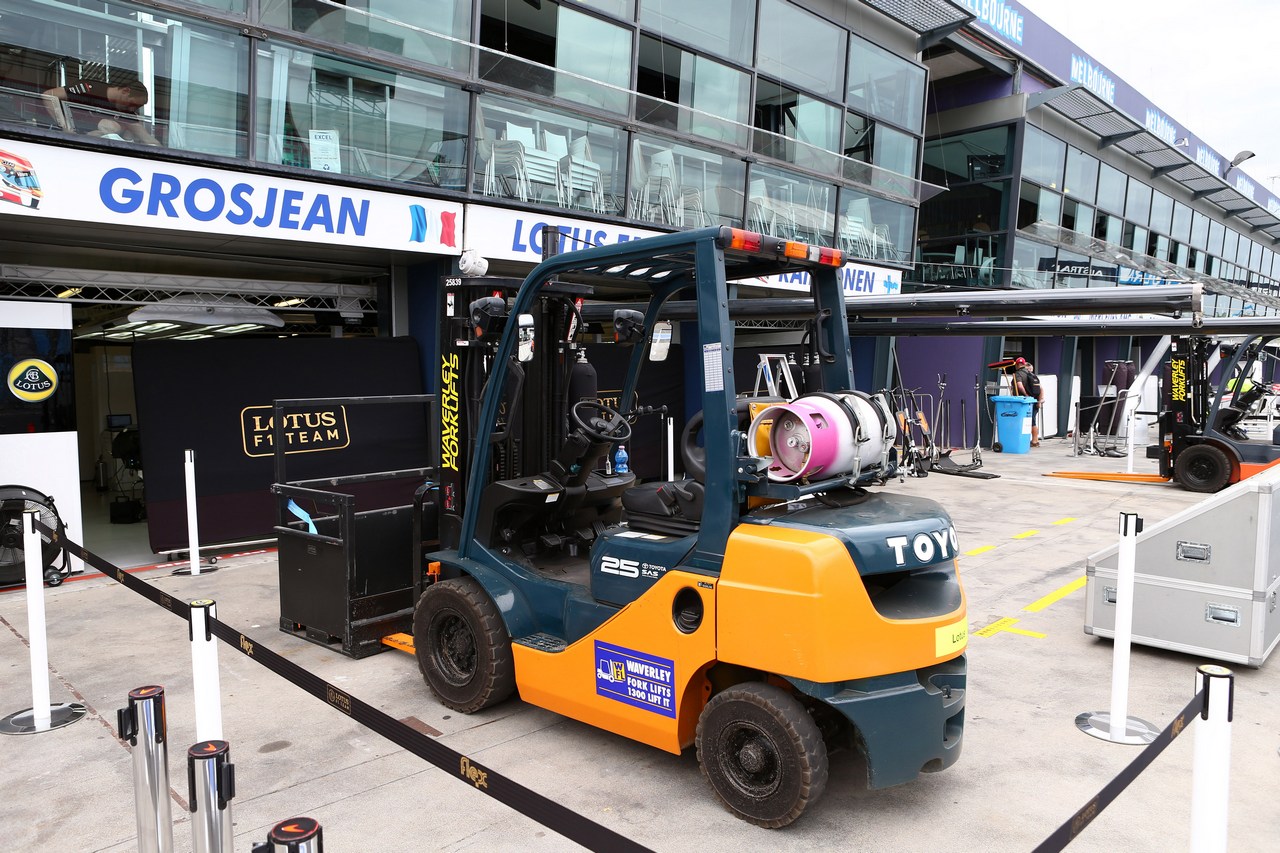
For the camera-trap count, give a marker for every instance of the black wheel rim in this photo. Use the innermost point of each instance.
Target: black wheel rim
(750, 760)
(1202, 469)
(454, 647)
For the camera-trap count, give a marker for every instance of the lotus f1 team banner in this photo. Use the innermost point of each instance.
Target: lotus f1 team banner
(67, 184)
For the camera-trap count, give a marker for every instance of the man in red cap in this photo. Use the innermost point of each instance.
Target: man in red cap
(1027, 384)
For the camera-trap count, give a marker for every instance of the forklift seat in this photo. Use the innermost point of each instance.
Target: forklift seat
(665, 507)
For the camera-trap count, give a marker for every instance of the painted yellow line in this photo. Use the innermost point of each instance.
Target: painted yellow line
(1026, 534)
(976, 551)
(1060, 593)
(1064, 520)
(1006, 624)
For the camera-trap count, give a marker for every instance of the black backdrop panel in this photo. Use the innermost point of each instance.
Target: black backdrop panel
(661, 383)
(214, 397)
(55, 413)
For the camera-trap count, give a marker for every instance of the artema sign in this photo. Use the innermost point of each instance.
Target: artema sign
(89, 186)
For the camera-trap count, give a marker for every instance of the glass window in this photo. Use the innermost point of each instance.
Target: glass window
(859, 131)
(115, 72)
(876, 228)
(382, 124)
(884, 85)
(715, 93)
(1137, 204)
(895, 150)
(1072, 270)
(966, 209)
(532, 154)
(1038, 206)
(796, 47)
(526, 47)
(1077, 217)
(1242, 251)
(1107, 227)
(408, 28)
(1033, 264)
(789, 205)
(1199, 230)
(970, 261)
(1230, 241)
(795, 127)
(223, 5)
(1082, 176)
(625, 9)
(1181, 230)
(677, 184)
(1180, 254)
(1135, 238)
(1255, 257)
(1111, 186)
(722, 27)
(1158, 246)
(1042, 157)
(1161, 212)
(975, 156)
(1216, 231)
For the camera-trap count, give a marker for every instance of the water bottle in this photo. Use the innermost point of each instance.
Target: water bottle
(620, 460)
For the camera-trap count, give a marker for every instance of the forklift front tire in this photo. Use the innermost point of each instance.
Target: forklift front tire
(462, 646)
(1202, 468)
(762, 753)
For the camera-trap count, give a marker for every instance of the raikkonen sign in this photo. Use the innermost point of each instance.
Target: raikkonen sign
(306, 431)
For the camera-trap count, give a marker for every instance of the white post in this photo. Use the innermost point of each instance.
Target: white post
(193, 534)
(33, 549)
(204, 671)
(1133, 421)
(1117, 726)
(1130, 527)
(1211, 766)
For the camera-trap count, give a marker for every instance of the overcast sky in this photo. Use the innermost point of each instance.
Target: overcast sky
(1209, 66)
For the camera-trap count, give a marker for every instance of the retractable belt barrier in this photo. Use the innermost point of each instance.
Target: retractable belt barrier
(1076, 824)
(527, 802)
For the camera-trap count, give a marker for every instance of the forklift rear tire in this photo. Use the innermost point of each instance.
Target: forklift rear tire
(1202, 468)
(462, 646)
(762, 753)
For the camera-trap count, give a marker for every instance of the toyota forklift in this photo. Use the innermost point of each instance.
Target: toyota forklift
(1203, 442)
(769, 609)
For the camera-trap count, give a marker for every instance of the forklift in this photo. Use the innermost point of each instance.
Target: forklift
(1203, 443)
(769, 609)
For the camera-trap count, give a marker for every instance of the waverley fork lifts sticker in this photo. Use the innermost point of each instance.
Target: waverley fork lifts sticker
(636, 678)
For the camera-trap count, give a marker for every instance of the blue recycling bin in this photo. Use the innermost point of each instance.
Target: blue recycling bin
(1013, 423)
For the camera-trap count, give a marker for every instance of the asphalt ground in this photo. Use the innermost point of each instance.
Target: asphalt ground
(1024, 770)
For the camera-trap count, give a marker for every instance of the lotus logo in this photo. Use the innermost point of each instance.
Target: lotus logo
(33, 380)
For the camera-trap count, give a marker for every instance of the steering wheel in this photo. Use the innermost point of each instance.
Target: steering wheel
(607, 426)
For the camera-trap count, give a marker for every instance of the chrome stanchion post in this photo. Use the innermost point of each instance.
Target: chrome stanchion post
(1118, 726)
(211, 780)
(41, 716)
(295, 835)
(204, 670)
(1211, 765)
(143, 725)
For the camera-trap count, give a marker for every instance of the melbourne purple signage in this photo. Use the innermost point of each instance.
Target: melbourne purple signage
(1017, 27)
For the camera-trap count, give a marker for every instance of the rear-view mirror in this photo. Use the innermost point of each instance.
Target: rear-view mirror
(524, 340)
(661, 341)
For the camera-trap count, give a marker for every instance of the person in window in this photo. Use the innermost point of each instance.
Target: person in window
(1027, 384)
(124, 100)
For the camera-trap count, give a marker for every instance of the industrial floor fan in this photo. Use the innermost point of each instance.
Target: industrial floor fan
(15, 503)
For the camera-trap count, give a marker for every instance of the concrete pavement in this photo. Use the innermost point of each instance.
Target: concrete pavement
(1025, 767)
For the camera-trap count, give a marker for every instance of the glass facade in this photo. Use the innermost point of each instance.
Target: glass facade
(753, 112)
(1134, 235)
